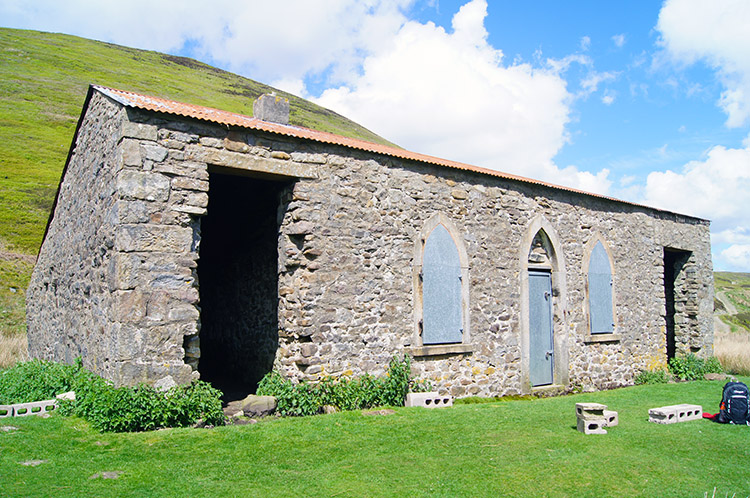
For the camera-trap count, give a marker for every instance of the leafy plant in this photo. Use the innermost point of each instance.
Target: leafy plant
(651, 377)
(123, 409)
(366, 391)
(142, 408)
(690, 367)
(36, 380)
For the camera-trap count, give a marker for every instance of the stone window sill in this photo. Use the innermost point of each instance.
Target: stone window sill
(602, 338)
(550, 389)
(439, 349)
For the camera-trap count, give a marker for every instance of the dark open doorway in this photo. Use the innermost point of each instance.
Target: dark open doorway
(238, 278)
(674, 294)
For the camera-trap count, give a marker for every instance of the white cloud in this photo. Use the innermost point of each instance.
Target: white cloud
(268, 41)
(717, 188)
(717, 33)
(736, 235)
(737, 257)
(619, 40)
(447, 93)
(450, 94)
(591, 82)
(585, 43)
(608, 98)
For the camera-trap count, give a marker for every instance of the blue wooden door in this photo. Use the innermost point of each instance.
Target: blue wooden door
(541, 350)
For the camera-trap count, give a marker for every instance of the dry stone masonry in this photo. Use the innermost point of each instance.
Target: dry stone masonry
(189, 246)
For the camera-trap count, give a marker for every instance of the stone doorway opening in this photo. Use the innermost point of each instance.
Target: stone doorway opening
(676, 299)
(238, 281)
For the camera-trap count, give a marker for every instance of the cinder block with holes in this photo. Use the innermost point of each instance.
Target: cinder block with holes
(429, 400)
(686, 412)
(35, 408)
(611, 418)
(592, 425)
(673, 414)
(590, 410)
(6, 411)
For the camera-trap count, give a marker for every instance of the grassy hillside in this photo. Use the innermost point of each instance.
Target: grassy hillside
(732, 302)
(43, 82)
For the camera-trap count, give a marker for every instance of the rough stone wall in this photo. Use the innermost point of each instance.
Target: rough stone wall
(69, 288)
(350, 309)
(115, 280)
(348, 229)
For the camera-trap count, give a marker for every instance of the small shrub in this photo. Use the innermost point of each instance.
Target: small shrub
(36, 380)
(143, 408)
(344, 393)
(651, 377)
(690, 367)
(107, 408)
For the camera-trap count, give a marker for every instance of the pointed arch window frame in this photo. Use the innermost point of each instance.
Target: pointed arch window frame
(418, 347)
(590, 257)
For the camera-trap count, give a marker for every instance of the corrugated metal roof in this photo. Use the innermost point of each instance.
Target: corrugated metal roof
(226, 118)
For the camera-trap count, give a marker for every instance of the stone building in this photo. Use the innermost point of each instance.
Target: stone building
(188, 241)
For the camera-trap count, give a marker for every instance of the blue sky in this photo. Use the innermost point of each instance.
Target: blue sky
(640, 100)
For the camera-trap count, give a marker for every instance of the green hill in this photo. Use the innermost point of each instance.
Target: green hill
(43, 82)
(732, 301)
(44, 78)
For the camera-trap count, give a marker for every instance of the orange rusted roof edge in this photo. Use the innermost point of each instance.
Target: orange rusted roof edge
(227, 118)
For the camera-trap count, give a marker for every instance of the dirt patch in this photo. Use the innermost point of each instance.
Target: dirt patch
(15, 256)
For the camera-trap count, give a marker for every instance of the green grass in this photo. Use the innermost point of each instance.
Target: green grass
(515, 448)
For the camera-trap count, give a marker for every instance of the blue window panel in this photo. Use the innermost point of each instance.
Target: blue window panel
(600, 292)
(541, 348)
(442, 320)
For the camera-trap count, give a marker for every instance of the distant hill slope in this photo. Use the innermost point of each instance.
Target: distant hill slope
(732, 303)
(43, 82)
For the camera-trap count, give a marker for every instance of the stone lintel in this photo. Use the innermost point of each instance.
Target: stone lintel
(602, 338)
(440, 349)
(248, 162)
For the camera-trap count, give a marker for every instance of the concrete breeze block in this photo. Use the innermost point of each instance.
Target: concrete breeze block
(611, 418)
(675, 413)
(6, 411)
(592, 425)
(34, 408)
(590, 410)
(428, 400)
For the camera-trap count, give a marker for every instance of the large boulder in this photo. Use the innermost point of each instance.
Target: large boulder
(258, 406)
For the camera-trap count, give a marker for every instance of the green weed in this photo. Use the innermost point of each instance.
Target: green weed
(344, 393)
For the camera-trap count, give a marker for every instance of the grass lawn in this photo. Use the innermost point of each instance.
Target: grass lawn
(515, 448)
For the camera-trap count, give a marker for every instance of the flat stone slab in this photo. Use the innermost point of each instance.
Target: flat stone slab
(673, 414)
(429, 400)
(590, 410)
